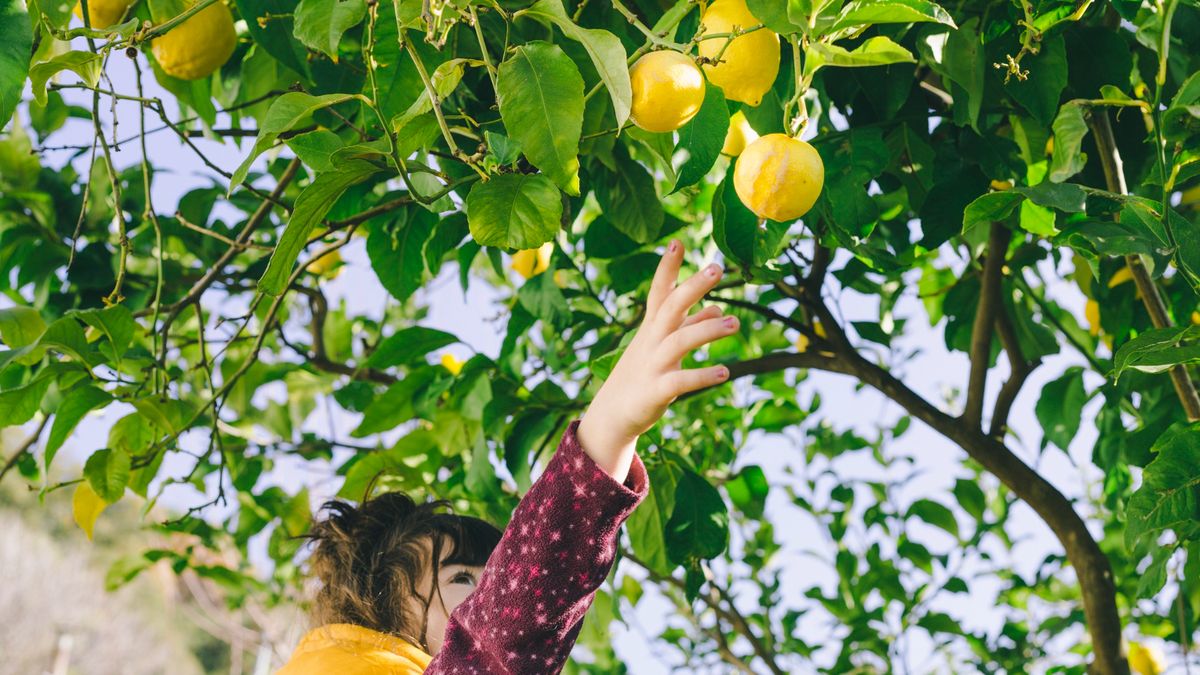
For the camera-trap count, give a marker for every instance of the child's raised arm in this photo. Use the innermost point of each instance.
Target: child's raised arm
(538, 584)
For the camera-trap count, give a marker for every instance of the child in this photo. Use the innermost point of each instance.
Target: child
(407, 588)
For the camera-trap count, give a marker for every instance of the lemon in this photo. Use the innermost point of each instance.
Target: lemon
(1146, 660)
(198, 46)
(104, 12)
(1122, 276)
(1001, 185)
(779, 177)
(740, 134)
(1092, 312)
(1049, 149)
(452, 363)
(1196, 318)
(668, 90)
(803, 343)
(750, 63)
(328, 265)
(1190, 197)
(532, 262)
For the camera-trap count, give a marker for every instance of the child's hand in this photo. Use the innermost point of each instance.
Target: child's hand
(649, 375)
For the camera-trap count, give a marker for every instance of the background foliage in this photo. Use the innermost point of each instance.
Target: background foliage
(975, 155)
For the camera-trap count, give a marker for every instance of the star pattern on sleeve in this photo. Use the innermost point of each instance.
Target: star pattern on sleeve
(539, 583)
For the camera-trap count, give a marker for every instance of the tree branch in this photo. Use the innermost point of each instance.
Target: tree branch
(24, 447)
(1020, 367)
(985, 318)
(1114, 176)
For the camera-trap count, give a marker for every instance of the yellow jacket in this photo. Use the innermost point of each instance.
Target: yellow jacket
(353, 650)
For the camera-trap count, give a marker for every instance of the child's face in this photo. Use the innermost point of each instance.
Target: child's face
(455, 582)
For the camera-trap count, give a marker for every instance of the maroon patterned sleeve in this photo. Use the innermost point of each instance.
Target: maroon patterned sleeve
(526, 613)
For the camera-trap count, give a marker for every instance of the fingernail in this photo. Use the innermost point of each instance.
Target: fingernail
(722, 373)
(713, 270)
(674, 246)
(731, 322)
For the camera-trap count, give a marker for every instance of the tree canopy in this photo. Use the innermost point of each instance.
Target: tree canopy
(978, 157)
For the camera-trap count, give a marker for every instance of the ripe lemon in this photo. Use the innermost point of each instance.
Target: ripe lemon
(740, 135)
(803, 343)
(668, 90)
(1001, 185)
(452, 363)
(1122, 276)
(1091, 311)
(750, 63)
(1146, 660)
(328, 265)
(1196, 318)
(532, 262)
(104, 12)
(198, 46)
(779, 177)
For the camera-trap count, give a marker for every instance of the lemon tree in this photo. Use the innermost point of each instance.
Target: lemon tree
(189, 191)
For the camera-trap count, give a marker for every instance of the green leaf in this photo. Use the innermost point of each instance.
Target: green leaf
(779, 15)
(272, 23)
(286, 113)
(540, 93)
(970, 496)
(445, 80)
(542, 298)
(1170, 492)
(630, 202)
(703, 137)
(877, 51)
(321, 23)
(116, 323)
(935, 514)
(396, 250)
(966, 66)
(647, 525)
(1040, 92)
(311, 206)
(1069, 128)
(699, 524)
(399, 460)
(1155, 576)
(989, 208)
(20, 326)
(407, 345)
(1036, 219)
(1060, 408)
(748, 490)
(868, 12)
(16, 44)
(18, 405)
(394, 406)
(315, 148)
(78, 402)
(84, 64)
(1065, 197)
(514, 211)
(108, 473)
(1159, 349)
(605, 49)
(738, 233)
(937, 622)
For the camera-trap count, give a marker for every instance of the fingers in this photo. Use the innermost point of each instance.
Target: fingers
(675, 307)
(682, 382)
(710, 312)
(689, 338)
(664, 277)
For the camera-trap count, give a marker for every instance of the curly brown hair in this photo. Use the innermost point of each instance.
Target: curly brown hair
(369, 559)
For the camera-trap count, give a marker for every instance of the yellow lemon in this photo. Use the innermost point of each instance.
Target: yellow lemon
(328, 265)
(1091, 311)
(668, 90)
(779, 177)
(1001, 185)
(1196, 318)
(1146, 660)
(1123, 275)
(104, 12)
(199, 46)
(1049, 149)
(803, 343)
(748, 66)
(1190, 197)
(452, 363)
(740, 135)
(532, 262)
